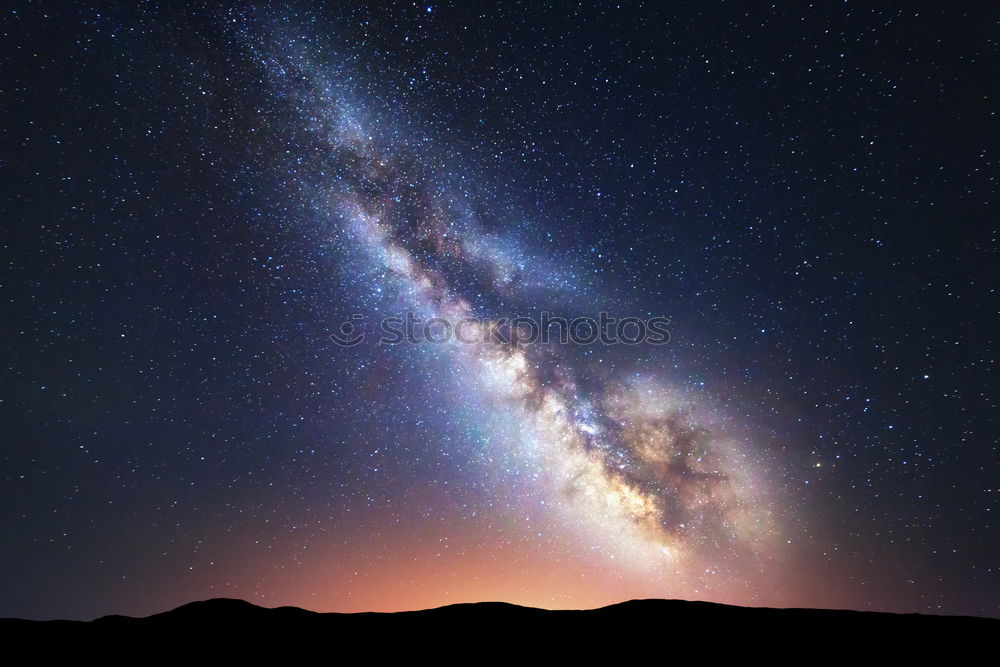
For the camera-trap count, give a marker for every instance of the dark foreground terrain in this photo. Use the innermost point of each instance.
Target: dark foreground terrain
(639, 627)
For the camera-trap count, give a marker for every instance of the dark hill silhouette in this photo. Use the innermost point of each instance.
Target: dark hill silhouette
(644, 627)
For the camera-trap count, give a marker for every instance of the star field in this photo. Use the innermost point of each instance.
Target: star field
(196, 199)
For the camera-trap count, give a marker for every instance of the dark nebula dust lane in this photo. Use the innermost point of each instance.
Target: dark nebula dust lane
(198, 199)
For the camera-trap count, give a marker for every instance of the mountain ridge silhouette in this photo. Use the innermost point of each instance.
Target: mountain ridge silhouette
(229, 625)
(237, 606)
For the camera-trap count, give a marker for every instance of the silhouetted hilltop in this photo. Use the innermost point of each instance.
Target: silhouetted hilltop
(644, 625)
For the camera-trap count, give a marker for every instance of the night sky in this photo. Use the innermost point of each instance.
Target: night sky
(195, 199)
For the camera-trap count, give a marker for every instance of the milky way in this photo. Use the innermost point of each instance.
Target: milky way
(621, 458)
